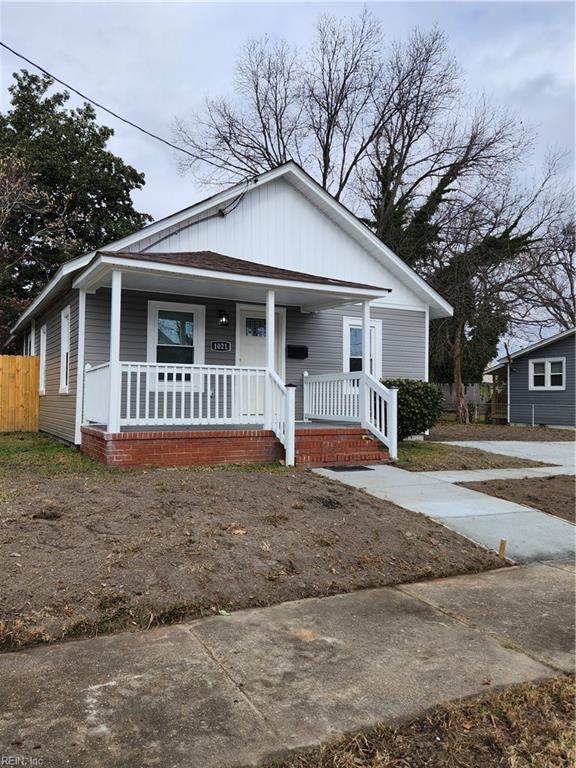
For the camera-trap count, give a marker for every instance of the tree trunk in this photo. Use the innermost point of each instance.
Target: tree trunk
(461, 410)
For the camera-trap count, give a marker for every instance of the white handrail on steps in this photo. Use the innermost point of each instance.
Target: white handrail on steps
(280, 414)
(355, 397)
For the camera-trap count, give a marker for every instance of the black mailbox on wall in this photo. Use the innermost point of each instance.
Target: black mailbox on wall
(296, 352)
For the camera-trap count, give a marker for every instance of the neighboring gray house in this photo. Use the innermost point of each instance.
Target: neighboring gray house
(539, 382)
(248, 309)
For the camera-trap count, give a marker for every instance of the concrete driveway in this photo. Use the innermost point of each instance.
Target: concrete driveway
(561, 454)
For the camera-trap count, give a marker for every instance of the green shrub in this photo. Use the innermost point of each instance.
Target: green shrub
(419, 405)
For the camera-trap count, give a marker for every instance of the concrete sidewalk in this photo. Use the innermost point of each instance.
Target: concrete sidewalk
(478, 475)
(531, 534)
(231, 691)
(560, 454)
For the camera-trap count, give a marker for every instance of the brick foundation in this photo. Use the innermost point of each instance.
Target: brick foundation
(315, 447)
(181, 449)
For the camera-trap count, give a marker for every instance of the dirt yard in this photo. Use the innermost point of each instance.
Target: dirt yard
(526, 726)
(425, 456)
(452, 431)
(554, 495)
(85, 550)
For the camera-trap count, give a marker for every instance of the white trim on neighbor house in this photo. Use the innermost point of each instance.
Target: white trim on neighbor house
(375, 350)
(259, 310)
(548, 386)
(64, 387)
(501, 362)
(42, 361)
(427, 347)
(80, 366)
(199, 312)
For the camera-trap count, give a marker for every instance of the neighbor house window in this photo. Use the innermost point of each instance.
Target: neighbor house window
(352, 345)
(547, 374)
(64, 351)
(175, 334)
(42, 381)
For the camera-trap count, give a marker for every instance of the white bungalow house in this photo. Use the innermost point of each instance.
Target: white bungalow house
(233, 330)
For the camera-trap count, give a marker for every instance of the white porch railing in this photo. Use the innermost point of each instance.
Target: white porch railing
(158, 394)
(280, 412)
(96, 393)
(355, 397)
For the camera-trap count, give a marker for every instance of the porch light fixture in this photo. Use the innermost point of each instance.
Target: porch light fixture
(223, 318)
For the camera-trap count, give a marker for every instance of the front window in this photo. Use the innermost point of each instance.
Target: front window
(547, 374)
(175, 333)
(175, 337)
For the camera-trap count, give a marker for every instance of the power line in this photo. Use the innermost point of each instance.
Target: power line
(96, 104)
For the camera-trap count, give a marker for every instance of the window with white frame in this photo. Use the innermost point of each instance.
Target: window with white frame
(176, 334)
(42, 381)
(547, 374)
(65, 351)
(352, 344)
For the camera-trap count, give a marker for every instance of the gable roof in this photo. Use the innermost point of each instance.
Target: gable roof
(217, 204)
(217, 262)
(530, 348)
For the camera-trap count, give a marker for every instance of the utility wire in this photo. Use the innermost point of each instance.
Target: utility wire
(96, 104)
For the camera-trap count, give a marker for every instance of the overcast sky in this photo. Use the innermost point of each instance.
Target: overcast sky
(153, 61)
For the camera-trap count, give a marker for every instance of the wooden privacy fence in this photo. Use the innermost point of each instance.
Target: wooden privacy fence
(19, 399)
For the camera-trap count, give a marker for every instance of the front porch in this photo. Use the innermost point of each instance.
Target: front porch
(165, 410)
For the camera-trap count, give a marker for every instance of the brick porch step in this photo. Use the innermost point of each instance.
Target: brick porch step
(327, 446)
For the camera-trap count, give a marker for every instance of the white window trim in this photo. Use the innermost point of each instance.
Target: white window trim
(64, 388)
(199, 311)
(356, 322)
(42, 361)
(547, 373)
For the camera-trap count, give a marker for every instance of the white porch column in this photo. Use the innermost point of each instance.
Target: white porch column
(115, 372)
(366, 336)
(270, 331)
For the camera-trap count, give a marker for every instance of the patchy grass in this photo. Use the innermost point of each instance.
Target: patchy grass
(39, 454)
(88, 551)
(425, 456)
(526, 726)
(453, 431)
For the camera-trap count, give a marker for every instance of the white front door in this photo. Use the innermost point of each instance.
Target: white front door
(251, 351)
(352, 345)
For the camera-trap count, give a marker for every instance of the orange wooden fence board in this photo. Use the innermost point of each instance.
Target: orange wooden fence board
(19, 399)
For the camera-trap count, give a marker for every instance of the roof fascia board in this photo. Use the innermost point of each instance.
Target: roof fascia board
(70, 266)
(88, 279)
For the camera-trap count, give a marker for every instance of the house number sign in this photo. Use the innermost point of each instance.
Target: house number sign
(220, 346)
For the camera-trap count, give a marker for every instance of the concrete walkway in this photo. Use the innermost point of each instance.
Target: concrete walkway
(231, 691)
(531, 535)
(478, 475)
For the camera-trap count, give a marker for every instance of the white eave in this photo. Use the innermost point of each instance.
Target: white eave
(439, 307)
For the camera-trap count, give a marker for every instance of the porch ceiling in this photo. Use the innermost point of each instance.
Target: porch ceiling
(309, 292)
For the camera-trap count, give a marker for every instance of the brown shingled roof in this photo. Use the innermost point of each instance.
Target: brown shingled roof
(216, 262)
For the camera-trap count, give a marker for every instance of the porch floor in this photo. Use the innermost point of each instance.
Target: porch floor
(229, 427)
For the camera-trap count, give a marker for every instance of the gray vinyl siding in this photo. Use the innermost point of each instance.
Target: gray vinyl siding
(58, 412)
(403, 343)
(403, 335)
(553, 407)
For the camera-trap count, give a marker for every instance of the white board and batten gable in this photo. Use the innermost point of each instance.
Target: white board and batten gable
(286, 220)
(282, 218)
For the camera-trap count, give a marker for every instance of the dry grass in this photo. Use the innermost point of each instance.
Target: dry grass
(526, 726)
(424, 456)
